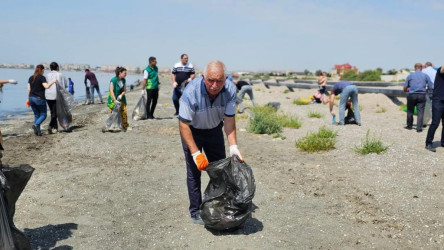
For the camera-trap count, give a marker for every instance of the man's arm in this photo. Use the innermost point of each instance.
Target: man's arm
(230, 130)
(187, 136)
(86, 78)
(192, 76)
(332, 100)
(442, 69)
(173, 79)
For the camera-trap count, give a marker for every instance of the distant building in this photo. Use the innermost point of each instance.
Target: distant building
(342, 68)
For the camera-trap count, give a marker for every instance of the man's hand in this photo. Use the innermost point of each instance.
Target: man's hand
(12, 81)
(116, 101)
(189, 80)
(235, 151)
(175, 84)
(200, 160)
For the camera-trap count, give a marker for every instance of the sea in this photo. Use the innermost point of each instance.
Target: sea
(13, 97)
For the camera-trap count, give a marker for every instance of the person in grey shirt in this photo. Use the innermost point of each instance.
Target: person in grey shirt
(51, 94)
(416, 85)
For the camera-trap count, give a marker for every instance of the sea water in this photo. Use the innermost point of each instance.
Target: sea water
(13, 97)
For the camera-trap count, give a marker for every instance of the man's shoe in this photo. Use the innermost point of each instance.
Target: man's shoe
(419, 130)
(408, 127)
(197, 220)
(35, 129)
(359, 124)
(177, 113)
(430, 148)
(49, 130)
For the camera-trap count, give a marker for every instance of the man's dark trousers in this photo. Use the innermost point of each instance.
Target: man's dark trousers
(437, 115)
(212, 143)
(418, 100)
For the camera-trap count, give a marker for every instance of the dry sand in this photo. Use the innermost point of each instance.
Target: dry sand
(94, 190)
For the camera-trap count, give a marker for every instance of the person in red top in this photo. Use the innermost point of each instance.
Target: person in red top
(94, 84)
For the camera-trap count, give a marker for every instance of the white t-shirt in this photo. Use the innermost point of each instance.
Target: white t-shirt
(51, 92)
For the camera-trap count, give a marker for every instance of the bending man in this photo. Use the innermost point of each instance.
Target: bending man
(208, 104)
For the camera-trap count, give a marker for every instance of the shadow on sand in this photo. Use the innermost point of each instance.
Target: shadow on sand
(46, 237)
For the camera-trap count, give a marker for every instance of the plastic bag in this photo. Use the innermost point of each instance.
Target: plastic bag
(64, 104)
(228, 197)
(139, 112)
(114, 121)
(6, 241)
(17, 178)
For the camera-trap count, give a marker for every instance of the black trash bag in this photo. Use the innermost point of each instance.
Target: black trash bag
(139, 112)
(6, 241)
(114, 121)
(350, 118)
(227, 202)
(17, 178)
(64, 104)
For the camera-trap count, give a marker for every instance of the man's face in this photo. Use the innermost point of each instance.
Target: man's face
(214, 81)
(153, 62)
(184, 60)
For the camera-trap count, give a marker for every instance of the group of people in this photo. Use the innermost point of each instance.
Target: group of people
(425, 81)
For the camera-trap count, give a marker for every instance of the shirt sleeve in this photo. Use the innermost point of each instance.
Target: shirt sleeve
(145, 74)
(186, 113)
(174, 71)
(230, 109)
(406, 84)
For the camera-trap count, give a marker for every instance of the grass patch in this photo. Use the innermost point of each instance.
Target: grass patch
(324, 139)
(381, 110)
(241, 117)
(286, 91)
(371, 145)
(265, 120)
(313, 114)
(279, 135)
(301, 101)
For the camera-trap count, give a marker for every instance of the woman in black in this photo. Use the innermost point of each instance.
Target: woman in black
(36, 96)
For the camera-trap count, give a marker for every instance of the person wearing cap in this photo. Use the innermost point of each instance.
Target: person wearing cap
(416, 84)
(208, 104)
(182, 74)
(346, 90)
(437, 109)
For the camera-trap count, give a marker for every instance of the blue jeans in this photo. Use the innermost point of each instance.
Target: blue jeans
(96, 87)
(349, 92)
(437, 116)
(246, 89)
(38, 106)
(177, 93)
(212, 143)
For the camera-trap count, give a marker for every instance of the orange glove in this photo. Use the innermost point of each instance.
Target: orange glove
(28, 104)
(200, 160)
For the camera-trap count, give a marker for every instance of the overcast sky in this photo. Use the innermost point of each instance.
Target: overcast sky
(246, 35)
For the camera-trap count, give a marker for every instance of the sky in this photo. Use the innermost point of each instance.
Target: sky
(247, 35)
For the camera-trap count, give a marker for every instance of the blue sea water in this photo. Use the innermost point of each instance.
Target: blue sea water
(13, 97)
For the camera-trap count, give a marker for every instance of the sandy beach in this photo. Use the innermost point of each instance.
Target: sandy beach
(94, 190)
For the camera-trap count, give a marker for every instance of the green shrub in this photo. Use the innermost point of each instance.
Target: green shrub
(370, 145)
(324, 139)
(289, 121)
(313, 114)
(263, 121)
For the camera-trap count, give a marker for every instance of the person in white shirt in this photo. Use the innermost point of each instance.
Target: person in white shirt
(51, 94)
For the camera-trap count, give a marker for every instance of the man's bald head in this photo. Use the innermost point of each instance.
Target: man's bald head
(418, 66)
(428, 64)
(214, 67)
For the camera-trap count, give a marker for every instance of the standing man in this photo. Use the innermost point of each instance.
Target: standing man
(51, 94)
(416, 85)
(208, 104)
(182, 74)
(437, 109)
(346, 90)
(94, 84)
(151, 83)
